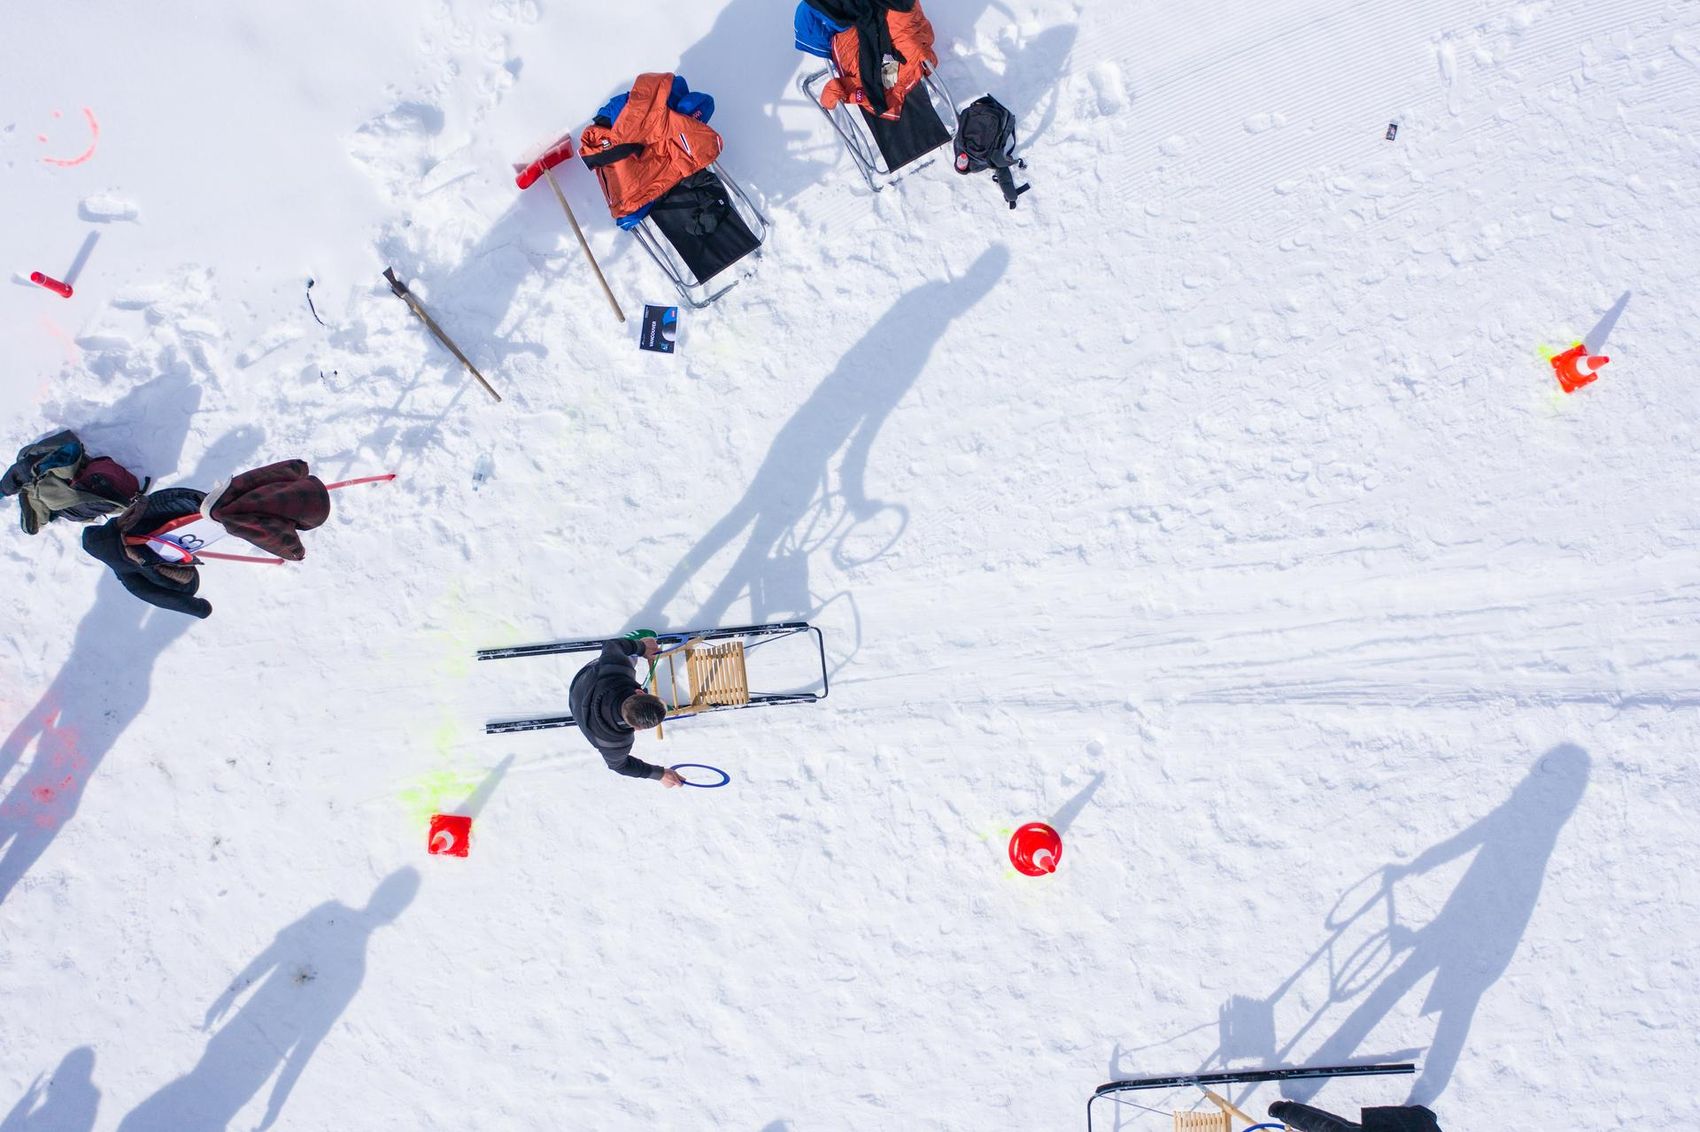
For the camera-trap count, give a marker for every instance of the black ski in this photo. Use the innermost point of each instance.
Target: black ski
(1252, 1076)
(547, 722)
(1244, 1077)
(590, 644)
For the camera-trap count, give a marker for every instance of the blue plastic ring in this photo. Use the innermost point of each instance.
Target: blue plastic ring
(724, 777)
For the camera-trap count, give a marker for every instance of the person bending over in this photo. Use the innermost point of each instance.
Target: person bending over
(611, 707)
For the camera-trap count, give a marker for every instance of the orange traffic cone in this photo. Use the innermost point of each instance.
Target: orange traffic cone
(1576, 367)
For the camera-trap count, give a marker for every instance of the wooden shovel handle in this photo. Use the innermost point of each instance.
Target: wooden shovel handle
(583, 243)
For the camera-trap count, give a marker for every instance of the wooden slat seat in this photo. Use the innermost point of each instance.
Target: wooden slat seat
(716, 677)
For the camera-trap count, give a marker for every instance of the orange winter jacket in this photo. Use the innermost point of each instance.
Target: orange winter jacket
(911, 34)
(648, 149)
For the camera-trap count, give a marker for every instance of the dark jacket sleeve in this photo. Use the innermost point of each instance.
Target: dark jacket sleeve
(1399, 1118)
(175, 600)
(104, 544)
(616, 662)
(630, 765)
(619, 652)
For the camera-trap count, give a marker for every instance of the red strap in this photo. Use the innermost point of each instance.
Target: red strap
(180, 521)
(385, 478)
(238, 557)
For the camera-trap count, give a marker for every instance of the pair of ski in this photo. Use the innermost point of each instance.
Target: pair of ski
(753, 636)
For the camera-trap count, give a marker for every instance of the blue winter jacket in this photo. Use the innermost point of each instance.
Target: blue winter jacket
(815, 31)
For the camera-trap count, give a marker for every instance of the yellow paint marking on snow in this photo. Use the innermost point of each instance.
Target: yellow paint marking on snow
(438, 791)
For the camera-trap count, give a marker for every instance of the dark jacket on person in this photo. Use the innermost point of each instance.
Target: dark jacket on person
(1395, 1118)
(158, 582)
(595, 698)
(1399, 1118)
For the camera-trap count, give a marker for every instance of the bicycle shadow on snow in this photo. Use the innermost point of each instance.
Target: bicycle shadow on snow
(1467, 945)
(799, 503)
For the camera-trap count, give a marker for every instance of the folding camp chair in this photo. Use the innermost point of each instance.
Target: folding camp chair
(884, 148)
(700, 228)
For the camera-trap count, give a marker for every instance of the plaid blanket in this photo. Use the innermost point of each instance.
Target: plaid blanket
(269, 506)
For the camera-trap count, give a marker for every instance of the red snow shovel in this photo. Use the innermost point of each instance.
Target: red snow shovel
(551, 157)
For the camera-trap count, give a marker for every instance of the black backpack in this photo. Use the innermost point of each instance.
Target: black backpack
(985, 139)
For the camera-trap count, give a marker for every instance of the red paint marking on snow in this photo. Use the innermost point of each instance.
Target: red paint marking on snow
(49, 789)
(63, 290)
(450, 835)
(1568, 367)
(94, 140)
(70, 347)
(385, 478)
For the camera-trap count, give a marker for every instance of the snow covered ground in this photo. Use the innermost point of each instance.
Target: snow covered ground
(1217, 504)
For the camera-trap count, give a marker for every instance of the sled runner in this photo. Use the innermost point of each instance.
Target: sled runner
(656, 158)
(705, 671)
(892, 120)
(1197, 1102)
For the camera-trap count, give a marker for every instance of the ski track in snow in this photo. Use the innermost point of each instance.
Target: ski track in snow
(1217, 500)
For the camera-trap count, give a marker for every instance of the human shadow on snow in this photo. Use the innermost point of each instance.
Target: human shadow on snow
(795, 505)
(749, 62)
(66, 1101)
(310, 973)
(101, 689)
(1466, 946)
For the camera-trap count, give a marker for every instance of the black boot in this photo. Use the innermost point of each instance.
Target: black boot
(1307, 1119)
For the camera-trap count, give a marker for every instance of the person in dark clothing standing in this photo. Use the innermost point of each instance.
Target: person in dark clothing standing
(610, 707)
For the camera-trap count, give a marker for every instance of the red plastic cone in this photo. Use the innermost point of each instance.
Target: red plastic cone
(1576, 367)
(1035, 849)
(450, 835)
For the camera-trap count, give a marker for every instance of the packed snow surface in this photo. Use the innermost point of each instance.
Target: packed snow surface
(1218, 505)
